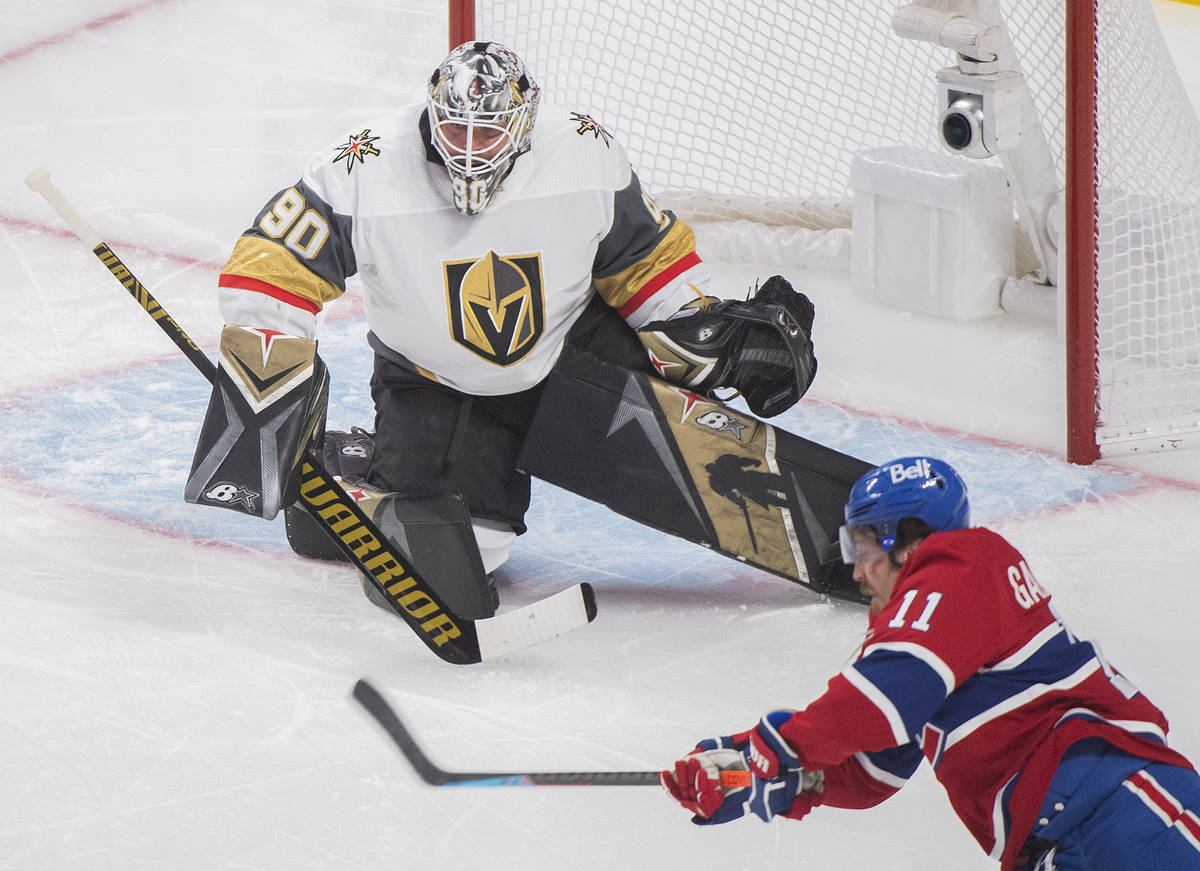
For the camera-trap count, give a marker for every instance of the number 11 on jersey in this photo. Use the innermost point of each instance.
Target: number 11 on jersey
(921, 624)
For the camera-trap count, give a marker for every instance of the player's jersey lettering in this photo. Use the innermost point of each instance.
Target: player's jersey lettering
(1026, 590)
(308, 228)
(921, 624)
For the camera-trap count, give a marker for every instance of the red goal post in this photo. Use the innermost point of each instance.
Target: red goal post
(1124, 140)
(1081, 235)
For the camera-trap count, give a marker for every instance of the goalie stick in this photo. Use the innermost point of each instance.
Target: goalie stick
(377, 706)
(450, 636)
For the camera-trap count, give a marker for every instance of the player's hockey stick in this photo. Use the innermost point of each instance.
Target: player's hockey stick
(453, 638)
(378, 707)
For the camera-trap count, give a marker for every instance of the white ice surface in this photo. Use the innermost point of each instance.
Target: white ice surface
(174, 685)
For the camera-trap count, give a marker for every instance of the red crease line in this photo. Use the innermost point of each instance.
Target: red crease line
(35, 227)
(96, 24)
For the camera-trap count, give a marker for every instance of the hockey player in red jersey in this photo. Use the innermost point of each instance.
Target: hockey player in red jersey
(1050, 757)
(492, 237)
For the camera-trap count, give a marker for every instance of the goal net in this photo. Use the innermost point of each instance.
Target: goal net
(736, 109)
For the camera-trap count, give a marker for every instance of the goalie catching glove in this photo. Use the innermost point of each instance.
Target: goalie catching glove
(695, 780)
(267, 404)
(761, 347)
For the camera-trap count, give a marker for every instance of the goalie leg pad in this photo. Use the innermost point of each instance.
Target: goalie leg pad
(761, 347)
(267, 405)
(694, 468)
(434, 532)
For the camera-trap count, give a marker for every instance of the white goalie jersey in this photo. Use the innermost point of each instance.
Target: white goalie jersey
(480, 303)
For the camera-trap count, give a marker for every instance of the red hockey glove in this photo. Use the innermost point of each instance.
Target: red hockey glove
(696, 784)
(706, 783)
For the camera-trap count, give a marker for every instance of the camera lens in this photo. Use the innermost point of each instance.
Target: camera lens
(956, 131)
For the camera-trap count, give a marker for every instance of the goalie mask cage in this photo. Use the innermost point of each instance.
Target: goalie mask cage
(741, 109)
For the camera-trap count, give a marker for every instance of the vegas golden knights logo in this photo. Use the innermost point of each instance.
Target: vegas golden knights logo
(496, 305)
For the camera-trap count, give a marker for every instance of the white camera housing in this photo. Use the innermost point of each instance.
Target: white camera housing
(980, 112)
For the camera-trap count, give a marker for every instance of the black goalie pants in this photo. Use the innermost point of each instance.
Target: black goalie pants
(432, 439)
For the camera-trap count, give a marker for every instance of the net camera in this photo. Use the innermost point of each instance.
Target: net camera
(981, 112)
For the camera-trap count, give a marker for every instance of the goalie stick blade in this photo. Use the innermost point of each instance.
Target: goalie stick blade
(536, 622)
(377, 706)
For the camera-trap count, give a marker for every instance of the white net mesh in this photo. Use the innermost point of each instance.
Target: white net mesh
(735, 109)
(1149, 251)
(695, 89)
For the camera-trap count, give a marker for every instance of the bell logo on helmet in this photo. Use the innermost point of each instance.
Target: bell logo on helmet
(919, 469)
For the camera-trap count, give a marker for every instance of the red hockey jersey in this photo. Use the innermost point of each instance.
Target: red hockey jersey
(969, 666)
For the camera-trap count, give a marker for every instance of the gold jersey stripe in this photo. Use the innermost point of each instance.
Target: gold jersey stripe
(619, 289)
(269, 262)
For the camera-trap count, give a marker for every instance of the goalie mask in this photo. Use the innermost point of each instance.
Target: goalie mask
(482, 105)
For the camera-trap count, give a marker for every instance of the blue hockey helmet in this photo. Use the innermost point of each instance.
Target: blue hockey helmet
(921, 487)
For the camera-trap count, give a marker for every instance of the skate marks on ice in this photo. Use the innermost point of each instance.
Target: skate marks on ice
(121, 442)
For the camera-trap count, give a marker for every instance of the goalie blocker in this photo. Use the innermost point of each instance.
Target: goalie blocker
(690, 466)
(267, 404)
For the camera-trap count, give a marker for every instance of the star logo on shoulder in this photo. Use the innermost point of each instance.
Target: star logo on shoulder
(588, 124)
(357, 148)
